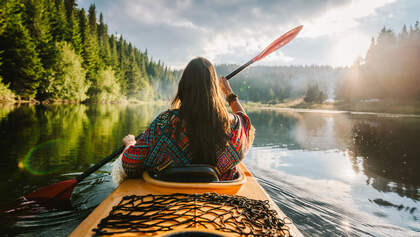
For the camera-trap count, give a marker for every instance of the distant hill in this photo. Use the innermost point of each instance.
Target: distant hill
(273, 84)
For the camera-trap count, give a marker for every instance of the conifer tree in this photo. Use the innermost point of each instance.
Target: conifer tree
(73, 31)
(38, 21)
(114, 53)
(89, 47)
(132, 77)
(31, 34)
(92, 20)
(21, 64)
(58, 21)
(104, 48)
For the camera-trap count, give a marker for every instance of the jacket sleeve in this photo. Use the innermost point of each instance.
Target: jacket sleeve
(240, 142)
(244, 133)
(134, 156)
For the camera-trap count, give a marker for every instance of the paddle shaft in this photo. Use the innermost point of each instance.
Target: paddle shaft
(239, 69)
(101, 163)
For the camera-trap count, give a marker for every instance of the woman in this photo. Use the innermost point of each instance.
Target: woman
(196, 130)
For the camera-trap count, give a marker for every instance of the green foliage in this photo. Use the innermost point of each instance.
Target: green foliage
(104, 49)
(106, 86)
(90, 48)
(389, 71)
(32, 50)
(38, 18)
(68, 79)
(58, 20)
(314, 94)
(5, 93)
(21, 66)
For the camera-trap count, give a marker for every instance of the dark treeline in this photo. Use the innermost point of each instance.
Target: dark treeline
(275, 84)
(52, 50)
(390, 69)
(386, 148)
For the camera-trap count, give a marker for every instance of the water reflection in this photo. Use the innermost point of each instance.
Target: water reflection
(348, 172)
(332, 173)
(390, 149)
(384, 148)
(41, 143)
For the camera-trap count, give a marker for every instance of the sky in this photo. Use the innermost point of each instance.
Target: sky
(335, 32)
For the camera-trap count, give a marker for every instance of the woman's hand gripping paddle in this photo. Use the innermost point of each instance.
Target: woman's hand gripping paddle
(62, 191)
(276, 44)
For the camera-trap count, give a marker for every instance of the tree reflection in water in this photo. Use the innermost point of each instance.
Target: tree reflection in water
(385, 149)
(389, 149)
(42, 143)
(320, 148)
(323, 167)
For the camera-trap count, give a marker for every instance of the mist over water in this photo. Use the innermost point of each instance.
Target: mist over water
(333, 174)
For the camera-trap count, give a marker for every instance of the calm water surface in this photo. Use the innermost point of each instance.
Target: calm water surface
(333, 174)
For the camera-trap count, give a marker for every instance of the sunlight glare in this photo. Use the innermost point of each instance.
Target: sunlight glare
(348, 173)
(348, 49)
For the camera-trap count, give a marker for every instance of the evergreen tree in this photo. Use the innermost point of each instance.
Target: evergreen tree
(404, 33)
(38, 21)
(58, 20)
(70, 6)
(132, 77)
(314, 94)
(73, 31)
(92, 20)
(390, 68)
(105, 50)
(89, 48)
(113, 52)
(37, 36)
(21, 65)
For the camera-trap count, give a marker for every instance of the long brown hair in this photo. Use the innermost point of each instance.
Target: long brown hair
(202, 110)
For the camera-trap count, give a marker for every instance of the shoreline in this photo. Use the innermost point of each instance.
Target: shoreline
(67, 102)
(382, 107)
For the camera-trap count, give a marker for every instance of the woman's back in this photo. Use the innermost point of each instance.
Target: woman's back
(197, 130)
(164, 145)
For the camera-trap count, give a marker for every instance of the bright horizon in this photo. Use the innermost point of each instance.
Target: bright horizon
(335, 32)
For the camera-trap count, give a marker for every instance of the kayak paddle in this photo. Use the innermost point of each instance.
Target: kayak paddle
(64, 189)
(276, 44)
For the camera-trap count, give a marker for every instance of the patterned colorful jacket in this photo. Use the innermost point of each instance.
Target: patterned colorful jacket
(157, 148)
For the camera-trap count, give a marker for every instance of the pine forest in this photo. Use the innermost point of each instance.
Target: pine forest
(50, 50)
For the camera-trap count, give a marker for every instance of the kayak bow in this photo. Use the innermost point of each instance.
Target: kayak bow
(246, 186)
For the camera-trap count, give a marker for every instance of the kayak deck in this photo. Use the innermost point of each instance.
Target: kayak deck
(250, 189)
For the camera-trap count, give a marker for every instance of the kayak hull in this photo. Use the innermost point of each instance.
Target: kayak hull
(249, 188)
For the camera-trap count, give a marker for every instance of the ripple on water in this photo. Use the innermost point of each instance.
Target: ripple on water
(315, 215)
(30, 218)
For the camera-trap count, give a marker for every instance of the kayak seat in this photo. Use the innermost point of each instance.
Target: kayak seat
(188, 174)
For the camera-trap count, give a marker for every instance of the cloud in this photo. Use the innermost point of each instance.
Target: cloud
(343, 18)
(235, 31)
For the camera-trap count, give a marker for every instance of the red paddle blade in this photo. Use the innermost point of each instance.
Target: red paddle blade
(278, 43)
(57, 191)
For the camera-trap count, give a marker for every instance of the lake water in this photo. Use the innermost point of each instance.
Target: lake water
(332, 173)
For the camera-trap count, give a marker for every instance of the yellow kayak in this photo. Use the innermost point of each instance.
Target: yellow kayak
(154, 207)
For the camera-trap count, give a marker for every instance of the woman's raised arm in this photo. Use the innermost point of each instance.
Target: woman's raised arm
(231, 97)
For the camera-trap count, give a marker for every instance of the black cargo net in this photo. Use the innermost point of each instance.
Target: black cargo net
(159, 213)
